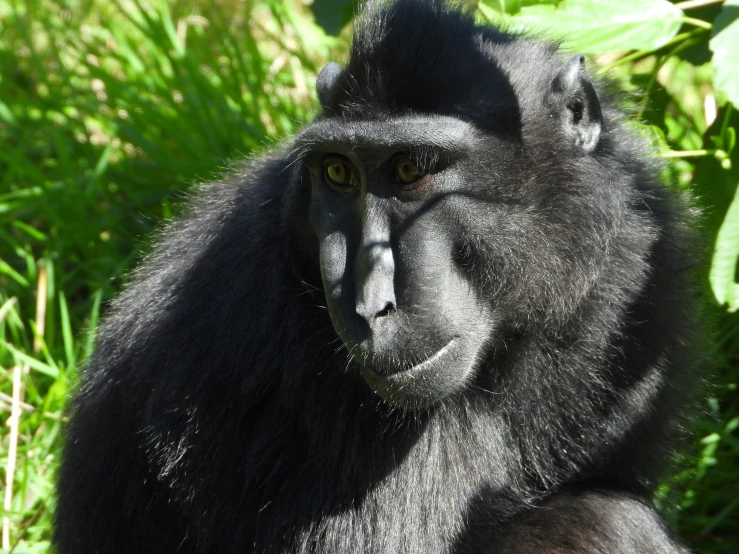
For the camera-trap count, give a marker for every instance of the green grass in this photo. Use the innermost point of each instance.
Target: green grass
(110, 109)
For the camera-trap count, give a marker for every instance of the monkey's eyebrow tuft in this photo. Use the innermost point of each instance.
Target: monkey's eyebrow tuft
(410, 133)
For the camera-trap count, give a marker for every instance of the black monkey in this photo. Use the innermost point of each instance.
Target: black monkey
(449, 316)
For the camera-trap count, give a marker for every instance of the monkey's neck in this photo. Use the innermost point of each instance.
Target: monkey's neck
(418, 478)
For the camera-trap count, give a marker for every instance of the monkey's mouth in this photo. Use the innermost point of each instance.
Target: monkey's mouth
(424, 383)
(418, 370)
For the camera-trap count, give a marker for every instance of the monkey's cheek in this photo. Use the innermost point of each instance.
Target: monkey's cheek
(426, 383)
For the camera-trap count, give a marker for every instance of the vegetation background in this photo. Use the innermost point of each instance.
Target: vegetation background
(110, 109)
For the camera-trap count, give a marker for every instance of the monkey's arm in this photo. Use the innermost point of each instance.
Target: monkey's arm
(589, 521)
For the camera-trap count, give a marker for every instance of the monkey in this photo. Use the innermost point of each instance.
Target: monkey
(450, 315)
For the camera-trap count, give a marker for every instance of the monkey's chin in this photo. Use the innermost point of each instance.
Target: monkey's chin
(426, 383)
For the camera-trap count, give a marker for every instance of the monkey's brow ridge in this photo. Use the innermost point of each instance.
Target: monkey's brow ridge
(440, 132)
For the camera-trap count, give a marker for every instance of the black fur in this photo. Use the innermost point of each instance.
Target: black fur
(222, 414)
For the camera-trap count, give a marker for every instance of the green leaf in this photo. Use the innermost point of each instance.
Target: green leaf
(332, 15)
(725, 257)
(10, 272)
(715, 192)
(597, 26)
(509, 7)
(725, 47)
(23, 358)
(714, 185)
(67, 333)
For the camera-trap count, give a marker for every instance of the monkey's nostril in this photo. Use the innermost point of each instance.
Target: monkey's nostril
(389, 309)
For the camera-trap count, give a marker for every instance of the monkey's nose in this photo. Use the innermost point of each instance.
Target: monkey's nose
(375, 275)
(389, 309)
(373, 307)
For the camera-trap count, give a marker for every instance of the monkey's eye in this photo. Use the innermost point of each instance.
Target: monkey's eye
(338, 172)
(405, 170)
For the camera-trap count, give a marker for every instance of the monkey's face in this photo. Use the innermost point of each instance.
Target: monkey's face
(434, 233)
(385, 208)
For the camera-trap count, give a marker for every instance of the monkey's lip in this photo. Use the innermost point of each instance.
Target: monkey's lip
(418, 370)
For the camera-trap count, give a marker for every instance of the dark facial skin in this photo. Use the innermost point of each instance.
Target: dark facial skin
(382, 203)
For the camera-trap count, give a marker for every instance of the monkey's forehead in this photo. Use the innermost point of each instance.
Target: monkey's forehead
(412, 131)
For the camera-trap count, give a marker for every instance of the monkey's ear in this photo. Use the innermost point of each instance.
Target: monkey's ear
(575, 102)
(326, 84)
